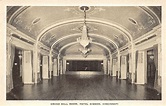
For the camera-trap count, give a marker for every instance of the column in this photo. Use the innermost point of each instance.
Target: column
(9, 79)
(105, 66)
(132, 64)
(64, 66)
(50, 64)
(45, 67)
(35, 62)
(123, 67)
(118, 64)
(61, 67)
(55, 69)
(27, 68)
(38, 68)
(141, 65)
(114, 68)
(108, 65)
(130, 67)
(159, 63)
(111, 66)
(58, 64)
(159, 70)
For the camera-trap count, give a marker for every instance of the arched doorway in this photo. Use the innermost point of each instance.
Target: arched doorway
(151, 68)
(17, 68)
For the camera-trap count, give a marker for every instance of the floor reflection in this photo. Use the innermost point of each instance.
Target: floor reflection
(84, 87)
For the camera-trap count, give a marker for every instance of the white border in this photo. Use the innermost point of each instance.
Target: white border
(4, 3)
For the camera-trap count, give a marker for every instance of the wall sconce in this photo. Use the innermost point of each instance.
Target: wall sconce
(151, 57)
(20, 55)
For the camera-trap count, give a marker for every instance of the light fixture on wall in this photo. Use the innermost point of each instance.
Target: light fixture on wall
(20, 55)
(84, 40)
(151, 57)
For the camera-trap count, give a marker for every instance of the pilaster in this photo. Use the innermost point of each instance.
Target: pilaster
(50, 64)
(35, 62)
(118, 65)
(111, 65)
(55, 69)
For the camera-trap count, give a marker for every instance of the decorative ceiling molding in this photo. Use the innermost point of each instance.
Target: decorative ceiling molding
(78, 11)
(139, 26)
(149, 12)
(150, 33)
(16, 13)
(73, 43)
(146, 10)
(90, 34)
(90, 28)
(112, 24)
(19, 33)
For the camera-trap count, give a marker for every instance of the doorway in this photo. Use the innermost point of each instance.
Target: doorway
(41, 67)
(17, 68)
(81, 65)
(127, 73)
(151, 69)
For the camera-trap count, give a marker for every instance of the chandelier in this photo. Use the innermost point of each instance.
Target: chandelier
(84, 40)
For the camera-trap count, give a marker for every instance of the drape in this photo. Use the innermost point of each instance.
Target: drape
(10, 62)
(136, 64)
(155, 50)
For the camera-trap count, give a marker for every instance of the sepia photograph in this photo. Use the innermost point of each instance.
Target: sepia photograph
(83, 54)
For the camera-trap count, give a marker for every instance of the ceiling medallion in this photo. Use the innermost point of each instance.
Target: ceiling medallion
(84, 40)
(80, 28)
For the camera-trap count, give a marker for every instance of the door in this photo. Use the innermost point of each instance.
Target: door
(17, 68)
(127, 74)
(151, 69)
(80, 65)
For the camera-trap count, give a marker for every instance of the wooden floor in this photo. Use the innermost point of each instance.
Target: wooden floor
(74, 87)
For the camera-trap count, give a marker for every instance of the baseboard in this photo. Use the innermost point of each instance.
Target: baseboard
(28, 82)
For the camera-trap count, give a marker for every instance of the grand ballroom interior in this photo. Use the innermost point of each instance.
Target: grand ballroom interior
(83, 53)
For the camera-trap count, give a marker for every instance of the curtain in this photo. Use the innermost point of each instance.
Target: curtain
(10, 62)
(136, 64)
(155, 50)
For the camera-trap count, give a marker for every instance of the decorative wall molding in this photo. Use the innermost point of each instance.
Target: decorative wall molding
(90, 34)
(79, 57)
(44, 46)
(155, 30)
(16, 13)
(72, 43)
(94, 20)
(147, 10)
(19, 43)
(19, 33)
(44, 52)
(24, 39)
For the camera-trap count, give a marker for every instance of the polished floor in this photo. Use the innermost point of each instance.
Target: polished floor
(84, 87)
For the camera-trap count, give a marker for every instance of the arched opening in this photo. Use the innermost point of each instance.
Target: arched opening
(17, 68)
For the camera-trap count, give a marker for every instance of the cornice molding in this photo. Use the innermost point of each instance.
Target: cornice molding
(14, 30)
(72, 43)
(101, 22)
(156, 31)
(90, 34)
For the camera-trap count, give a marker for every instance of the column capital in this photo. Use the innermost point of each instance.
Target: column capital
(9, 35)
(9, 32)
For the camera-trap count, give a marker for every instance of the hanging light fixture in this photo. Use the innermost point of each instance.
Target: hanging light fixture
(84, 40)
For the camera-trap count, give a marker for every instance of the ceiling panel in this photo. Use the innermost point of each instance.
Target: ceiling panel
(95, 50)
(34, 20)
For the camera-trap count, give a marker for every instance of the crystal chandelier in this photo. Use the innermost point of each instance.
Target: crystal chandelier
(84, 40)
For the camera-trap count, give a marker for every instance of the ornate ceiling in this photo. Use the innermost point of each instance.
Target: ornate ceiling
(57, 26)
